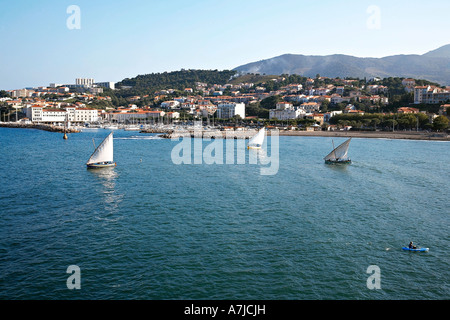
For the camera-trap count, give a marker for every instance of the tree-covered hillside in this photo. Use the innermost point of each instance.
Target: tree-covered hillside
(178, 80)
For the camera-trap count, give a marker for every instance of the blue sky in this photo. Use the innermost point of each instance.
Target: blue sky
(120, 39)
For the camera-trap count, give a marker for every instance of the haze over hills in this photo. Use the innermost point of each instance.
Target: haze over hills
(433, 66)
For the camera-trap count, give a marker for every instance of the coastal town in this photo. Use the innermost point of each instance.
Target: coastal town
(224, 159)
(312, 104)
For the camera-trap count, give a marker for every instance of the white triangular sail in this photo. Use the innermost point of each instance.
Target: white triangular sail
(104, 152)
(339, 153)
(258, 139)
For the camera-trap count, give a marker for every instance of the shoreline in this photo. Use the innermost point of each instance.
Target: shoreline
(408, 135)
(397, 135)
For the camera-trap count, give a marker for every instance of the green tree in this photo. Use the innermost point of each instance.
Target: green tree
(374, 122)
(390, 123)
(324, 106)
(440, 123)
(423, 120)
(270, 102)
(252, 109)
(367, 122)
(4, 94)
(407, 121)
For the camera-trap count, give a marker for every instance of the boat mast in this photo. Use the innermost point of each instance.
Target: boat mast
(334, 149)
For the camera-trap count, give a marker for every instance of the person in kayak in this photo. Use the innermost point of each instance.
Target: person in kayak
(411, 246)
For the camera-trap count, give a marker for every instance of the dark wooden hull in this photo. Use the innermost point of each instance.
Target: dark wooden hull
(338, 161)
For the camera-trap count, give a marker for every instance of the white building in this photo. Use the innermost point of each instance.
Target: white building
(96, 90)
(336, 98)
(230, 109)
(109, 85)
(420, 92)
(283, 106)
(207, 109)
(293, 87)
(321, 91)
(172, 104)
(173, 115)
(122, 117)
(286, 111)
(376, 89)
(21, 93)
(87, 82)
(340, 90)
(39, 114)
(430, 94)
(409, 82)
(34, 113)
(63, 90)
(310, 106)
(327, 116)
(81, 115)
(86, 115)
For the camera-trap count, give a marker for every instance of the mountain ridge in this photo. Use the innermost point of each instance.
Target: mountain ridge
(433, 65)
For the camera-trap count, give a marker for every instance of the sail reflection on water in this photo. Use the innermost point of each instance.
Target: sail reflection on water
(111, 198)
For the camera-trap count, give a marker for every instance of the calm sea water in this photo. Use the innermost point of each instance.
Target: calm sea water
(152, 229)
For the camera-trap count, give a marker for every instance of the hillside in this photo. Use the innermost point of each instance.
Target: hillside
(442, 52)
(433, 66)
(253, 78)
(178, 80)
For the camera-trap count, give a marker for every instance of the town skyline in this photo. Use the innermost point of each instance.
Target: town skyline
(115, 41)
(306, 102)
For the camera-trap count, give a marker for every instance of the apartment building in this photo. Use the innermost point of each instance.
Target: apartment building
(230, 109)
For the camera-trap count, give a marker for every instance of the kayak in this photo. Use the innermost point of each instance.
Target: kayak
(418, 249)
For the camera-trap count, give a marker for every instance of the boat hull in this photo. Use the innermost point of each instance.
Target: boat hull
(100, 165)
(132, 129)
(256, 148)
(416, 250)
(338, 161)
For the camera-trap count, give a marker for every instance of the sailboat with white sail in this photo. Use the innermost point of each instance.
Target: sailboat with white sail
(103, 156)
(339, 154)
(257, 140)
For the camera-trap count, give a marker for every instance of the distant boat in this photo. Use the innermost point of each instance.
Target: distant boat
(339, 154)
(257, 140)
(103, 155)
(132, 128)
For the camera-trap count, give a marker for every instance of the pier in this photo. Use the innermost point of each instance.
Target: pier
(46, 127)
